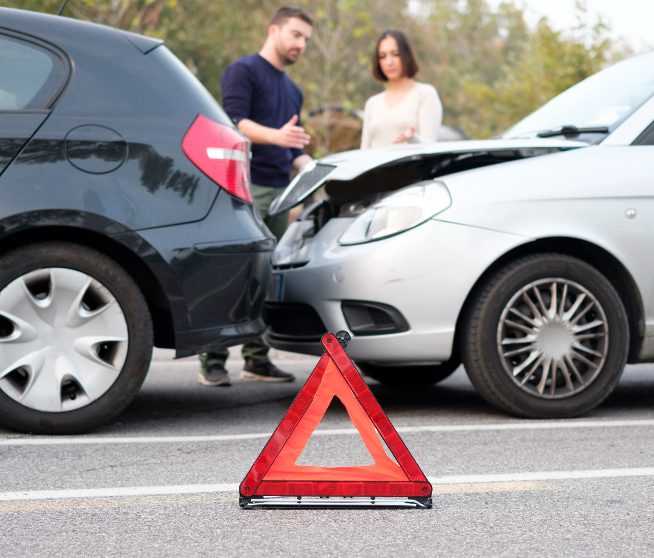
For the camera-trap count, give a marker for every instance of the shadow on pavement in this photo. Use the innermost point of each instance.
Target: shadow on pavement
(177, 397)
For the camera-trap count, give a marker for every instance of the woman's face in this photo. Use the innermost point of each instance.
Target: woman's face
(389, 59)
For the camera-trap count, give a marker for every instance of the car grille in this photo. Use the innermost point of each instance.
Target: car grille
(299, 321)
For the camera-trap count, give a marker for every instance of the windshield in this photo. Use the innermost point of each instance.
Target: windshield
(604, 99)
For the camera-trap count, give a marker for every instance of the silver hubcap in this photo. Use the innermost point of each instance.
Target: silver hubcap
(553, 338)
(63, 339)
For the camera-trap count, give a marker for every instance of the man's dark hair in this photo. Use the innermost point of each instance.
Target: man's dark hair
(287, 12)
(409, 63)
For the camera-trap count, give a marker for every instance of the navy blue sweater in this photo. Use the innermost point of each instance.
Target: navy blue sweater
(254, 89)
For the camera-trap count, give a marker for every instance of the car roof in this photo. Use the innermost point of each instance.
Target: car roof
(51, 27)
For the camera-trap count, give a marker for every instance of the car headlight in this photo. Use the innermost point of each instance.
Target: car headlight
(403, 210)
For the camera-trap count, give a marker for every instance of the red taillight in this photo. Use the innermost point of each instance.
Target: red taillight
(221, 153)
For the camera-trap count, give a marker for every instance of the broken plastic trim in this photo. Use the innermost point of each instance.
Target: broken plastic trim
(311, 177)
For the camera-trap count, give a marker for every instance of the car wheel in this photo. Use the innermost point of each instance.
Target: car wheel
(547, 337)
(410, 376)
(75, 338)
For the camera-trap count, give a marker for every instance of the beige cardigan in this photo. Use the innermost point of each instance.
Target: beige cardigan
(421, 108)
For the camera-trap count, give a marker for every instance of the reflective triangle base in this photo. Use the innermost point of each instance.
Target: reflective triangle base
(334, 502)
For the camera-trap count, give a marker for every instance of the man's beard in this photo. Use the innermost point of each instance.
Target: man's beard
(286, 58)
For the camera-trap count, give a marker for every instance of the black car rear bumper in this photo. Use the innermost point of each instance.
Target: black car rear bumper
(216, 273)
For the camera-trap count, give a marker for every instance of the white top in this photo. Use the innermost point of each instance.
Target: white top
(421, 108)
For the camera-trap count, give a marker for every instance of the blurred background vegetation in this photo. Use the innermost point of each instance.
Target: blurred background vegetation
(488, 66)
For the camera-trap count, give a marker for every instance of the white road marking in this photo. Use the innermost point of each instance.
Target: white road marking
(515, 425)
(467, 480)
(118, 491)
(545, 476)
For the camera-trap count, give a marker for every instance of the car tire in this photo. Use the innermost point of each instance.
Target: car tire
(546, 337)
(75, 338)
(409, 377)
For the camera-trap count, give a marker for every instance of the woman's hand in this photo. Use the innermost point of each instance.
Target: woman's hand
(406, 136)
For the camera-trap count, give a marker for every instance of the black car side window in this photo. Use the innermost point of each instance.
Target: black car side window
(30, 76)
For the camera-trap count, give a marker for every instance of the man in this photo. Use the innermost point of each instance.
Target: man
(265, 105)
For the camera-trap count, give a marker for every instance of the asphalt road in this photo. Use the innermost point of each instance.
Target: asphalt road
(163, 480)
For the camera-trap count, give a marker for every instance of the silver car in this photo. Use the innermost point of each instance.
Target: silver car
(527, 258)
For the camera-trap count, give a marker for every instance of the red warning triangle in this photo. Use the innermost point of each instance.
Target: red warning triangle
(276, 473)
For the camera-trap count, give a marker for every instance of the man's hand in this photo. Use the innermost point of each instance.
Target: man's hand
(290, 135)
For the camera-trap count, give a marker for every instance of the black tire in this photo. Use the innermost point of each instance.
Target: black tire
(582, 335)
(410, 377)
(98, 373)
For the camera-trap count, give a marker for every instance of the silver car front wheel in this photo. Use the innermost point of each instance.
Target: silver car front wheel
(546, 337)
(553, 337)
(75, 338)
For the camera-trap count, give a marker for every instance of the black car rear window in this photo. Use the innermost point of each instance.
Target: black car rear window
(30, 76)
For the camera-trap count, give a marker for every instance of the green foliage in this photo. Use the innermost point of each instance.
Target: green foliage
(490, 69)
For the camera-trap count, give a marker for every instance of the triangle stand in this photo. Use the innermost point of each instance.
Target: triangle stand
(275, 480)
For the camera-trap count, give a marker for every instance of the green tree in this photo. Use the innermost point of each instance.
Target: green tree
(491, 70)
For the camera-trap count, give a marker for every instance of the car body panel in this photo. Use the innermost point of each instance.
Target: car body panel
(616, 196)
(355, 162)
(44, 172)
(150, 122)
(15, 132)
(221, 279)
(390, 275)
(346, 166)
(103, 165)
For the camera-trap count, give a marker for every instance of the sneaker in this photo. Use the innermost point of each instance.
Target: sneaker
(214, 375)
(265, 372)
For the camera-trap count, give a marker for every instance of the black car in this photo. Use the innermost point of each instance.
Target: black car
(125, 220)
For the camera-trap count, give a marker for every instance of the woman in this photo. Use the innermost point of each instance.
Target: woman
(406, 111)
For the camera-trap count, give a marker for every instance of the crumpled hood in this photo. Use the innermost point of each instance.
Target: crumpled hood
(348, 165)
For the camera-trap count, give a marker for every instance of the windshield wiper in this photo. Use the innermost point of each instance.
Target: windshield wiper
(570, 131)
